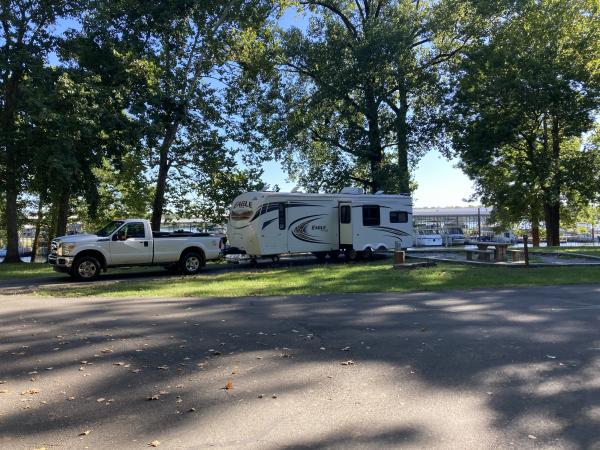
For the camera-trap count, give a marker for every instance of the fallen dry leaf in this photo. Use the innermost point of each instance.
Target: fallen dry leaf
(163, 367)
(348, 363)
(106, 350)
(135, 370)
(100, 400)
(154, 444)
(85, 433)
(228, 385)
(153, 397)
(30, 392)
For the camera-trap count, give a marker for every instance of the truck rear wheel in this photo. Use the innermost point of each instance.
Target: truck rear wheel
(192, 263)
(86, 268)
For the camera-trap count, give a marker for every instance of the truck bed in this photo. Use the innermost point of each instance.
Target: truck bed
(166, 234)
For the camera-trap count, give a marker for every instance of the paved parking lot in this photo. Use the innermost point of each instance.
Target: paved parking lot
(516, 368)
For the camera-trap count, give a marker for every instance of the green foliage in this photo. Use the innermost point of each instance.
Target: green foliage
(176, 58)
(359, 93)
(524, 97)
(123, 191)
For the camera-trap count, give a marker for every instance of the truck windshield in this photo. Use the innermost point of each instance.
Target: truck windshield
(110, 228)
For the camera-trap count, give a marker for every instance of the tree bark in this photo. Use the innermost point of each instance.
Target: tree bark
(402, 131)
(62, 214)
(535, 231)
(375, 150)
(552, 207)
(38, 227)
(552, 219)
(161, 181)
(11, 170)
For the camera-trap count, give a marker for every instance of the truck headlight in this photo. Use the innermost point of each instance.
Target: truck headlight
(67, 249)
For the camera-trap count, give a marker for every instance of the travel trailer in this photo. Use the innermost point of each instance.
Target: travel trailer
(351, 222)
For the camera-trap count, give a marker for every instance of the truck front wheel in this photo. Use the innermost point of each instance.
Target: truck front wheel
(192, 263)
(86, 268)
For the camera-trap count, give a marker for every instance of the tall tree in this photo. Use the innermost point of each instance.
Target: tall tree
(361, 87)
(530, 87)
(26, 39)
(79, 123)
(177, 51)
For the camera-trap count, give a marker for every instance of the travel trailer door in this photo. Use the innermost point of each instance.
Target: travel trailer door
(274, 237)
(345, 219)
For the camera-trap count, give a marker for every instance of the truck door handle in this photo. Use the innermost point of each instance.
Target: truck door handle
(145, 243)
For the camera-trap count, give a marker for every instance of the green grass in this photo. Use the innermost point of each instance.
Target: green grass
(583, 250)
(16, 271)
(330, 279)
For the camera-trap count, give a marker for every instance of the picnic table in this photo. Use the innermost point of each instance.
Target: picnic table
(500, 249)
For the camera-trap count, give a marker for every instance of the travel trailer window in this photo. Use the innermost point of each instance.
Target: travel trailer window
(398, 217)
(371, 216)
(282, 216)
(345, 214)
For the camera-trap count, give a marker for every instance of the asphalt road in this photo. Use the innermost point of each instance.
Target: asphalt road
(516, 368)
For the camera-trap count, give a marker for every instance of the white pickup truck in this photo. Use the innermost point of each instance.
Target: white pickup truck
(131, 242)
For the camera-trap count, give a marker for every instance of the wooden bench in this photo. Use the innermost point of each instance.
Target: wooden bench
(483, 255)
(516, 255)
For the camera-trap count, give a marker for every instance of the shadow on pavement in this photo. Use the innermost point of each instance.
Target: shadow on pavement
(481, 369)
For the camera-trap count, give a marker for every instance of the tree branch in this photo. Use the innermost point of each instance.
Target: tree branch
(351, 28)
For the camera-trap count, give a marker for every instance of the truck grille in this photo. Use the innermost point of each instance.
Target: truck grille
(53, 247)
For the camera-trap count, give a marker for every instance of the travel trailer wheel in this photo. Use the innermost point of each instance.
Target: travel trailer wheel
(320, 256)
(275, 259)
(367, 253)
(334, 255)
(351, 255)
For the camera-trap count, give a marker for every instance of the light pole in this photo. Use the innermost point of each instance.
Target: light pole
(479, 222)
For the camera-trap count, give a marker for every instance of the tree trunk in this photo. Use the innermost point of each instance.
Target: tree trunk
(402, 131)
(11, 170)
(161, 181)
(38, 227)
(552, 219)
(552, 208)
(62, 212)
(535, 231)
(12, 224)
(375, 150)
